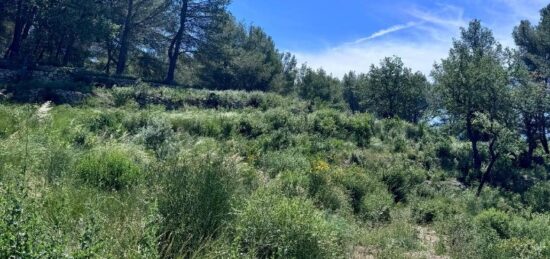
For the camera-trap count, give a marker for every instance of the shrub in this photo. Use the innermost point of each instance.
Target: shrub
(121, 95)
(523, 248)
(358, 184)
(104, 121)
(293, 184)
(273, 226)
(392, 240)
(466, 240)
(9, 119)
(493, 219)
(108, 168)
(251, 126)
(275, 162)
(328, 123)
(333, 198)
(361, 127)
(198, 193)
(538, 197)
(375, 206)
(281, 119)
(277, 140)
(157, 134)
(402, 179)
(428, 211)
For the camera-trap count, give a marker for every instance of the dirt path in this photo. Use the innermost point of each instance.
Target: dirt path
(427, 236)
(429, 239)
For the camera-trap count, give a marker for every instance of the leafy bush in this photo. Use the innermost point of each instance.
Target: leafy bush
(375, 207)
(401, 180)
(157, 135)
(275, 162)
(333, 198)
(358, 185)
(361, 128)
(328, 123)
(109, 168)
(522, 248)
(428, 211)
(293, 184)
(106, 121)
(495, 220)
(538, 197)
(251, 126)
(273, 226)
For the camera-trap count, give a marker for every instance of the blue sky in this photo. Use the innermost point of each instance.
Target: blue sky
(349, 35)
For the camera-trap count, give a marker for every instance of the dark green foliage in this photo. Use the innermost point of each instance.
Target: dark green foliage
(242, 59)
(538, 197)
(395, 91)
(59, 92)
(429, 211)
(401, 181)
(108, 168)
(495, 220)
(319, 87)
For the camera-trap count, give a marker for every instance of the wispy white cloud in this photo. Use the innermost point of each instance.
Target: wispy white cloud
(389, 30)
(423, 41)
(428, 40)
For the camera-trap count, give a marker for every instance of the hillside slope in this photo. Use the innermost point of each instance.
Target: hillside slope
(147, 172)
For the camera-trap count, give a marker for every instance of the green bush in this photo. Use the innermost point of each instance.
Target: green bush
(402, 179)
(358, 184)
(328, 123)
(10, 117)
(495, 220)
(104, 121)
(465, 239)
(375, 207)
(293, 184)
(197, 199)
(271, 226)
(109, 168)
(251, 126)
(428, 211)
(333, 198)
(361, 128)
(538, 197)
(157, 135)
(275, 162)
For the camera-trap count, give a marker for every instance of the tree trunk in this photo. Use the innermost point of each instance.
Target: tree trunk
(473, 139)
(15, 46)
(485, 176)
(543, 139)
(175, 45)
(125, 39)
(68, 51)
(531, 140)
